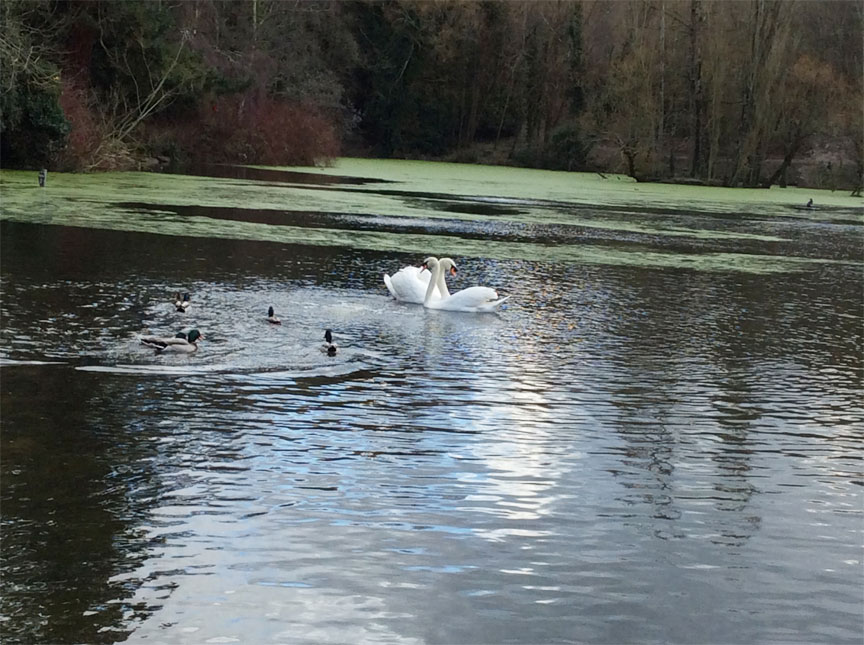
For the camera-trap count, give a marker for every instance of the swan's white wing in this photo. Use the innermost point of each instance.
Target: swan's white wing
(409, 284)
(472, 299)
(492, 305)
(389, 283)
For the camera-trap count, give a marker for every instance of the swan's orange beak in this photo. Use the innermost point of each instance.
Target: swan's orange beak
(452, 270)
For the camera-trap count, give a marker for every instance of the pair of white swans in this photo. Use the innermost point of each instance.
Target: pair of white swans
(426, 285)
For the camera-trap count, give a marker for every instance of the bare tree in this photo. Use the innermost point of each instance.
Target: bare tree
(121, 116)
(763, 67)
(805, 102)
(27, 53)
(696, 88)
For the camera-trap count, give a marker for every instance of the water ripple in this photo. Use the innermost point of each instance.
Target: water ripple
(615, 450)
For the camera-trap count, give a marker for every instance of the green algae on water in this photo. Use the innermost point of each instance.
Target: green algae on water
(142, 202)
(595, 189)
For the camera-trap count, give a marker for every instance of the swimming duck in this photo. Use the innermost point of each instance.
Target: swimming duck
(191, 344)
(161, 341)
(181, 304)
(179, 343)
(328, 347)
(271, 317)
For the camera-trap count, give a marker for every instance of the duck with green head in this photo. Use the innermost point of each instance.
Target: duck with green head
(181, 342)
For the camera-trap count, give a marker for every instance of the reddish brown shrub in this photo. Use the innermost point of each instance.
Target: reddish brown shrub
(85, 135)
(254, 129)
(247, 128)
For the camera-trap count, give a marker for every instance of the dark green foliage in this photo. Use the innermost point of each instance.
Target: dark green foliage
(32, 127)
(567, 149)
(141, 44)
(385, 92)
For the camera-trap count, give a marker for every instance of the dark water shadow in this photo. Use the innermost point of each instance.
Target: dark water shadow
(501, 206)
(469, 207)
(229, 171)
(501, 230)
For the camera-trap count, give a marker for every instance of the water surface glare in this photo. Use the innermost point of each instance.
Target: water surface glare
(626, 453)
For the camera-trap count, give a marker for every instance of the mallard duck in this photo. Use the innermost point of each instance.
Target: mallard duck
(161, 341)
(191, 344)
(271, 317)
(181, 304)
(329, 347)
(179, 343)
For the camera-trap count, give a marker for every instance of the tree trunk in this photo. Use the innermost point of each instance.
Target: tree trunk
(751, 141)
(630, 156)
(662, 124)
(748, 97)
(696, 98)
(858, 149)
(254, 21)
(781, 170)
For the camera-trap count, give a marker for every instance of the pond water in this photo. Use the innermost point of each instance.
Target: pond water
(657, 439)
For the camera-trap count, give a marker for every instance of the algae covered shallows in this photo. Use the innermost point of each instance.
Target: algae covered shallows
(415, 193)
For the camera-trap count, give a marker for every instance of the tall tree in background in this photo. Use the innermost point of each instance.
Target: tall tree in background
(32, 125)
(142, 64)
(625, 98)
(696, 89)
(762, 69)
(735, 92)
(806, 100)
(549, 74)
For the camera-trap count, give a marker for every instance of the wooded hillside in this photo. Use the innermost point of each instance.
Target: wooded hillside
(749, 93)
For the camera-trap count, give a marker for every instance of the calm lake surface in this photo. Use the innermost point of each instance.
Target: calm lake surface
(657, 440)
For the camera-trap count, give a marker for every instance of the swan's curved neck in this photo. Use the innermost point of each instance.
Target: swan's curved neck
(436, 276)
(442, 281)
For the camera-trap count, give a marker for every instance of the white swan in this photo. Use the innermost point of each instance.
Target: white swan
(472, 299)
(409, 284)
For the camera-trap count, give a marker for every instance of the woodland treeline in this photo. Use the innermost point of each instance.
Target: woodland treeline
(736, 93)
